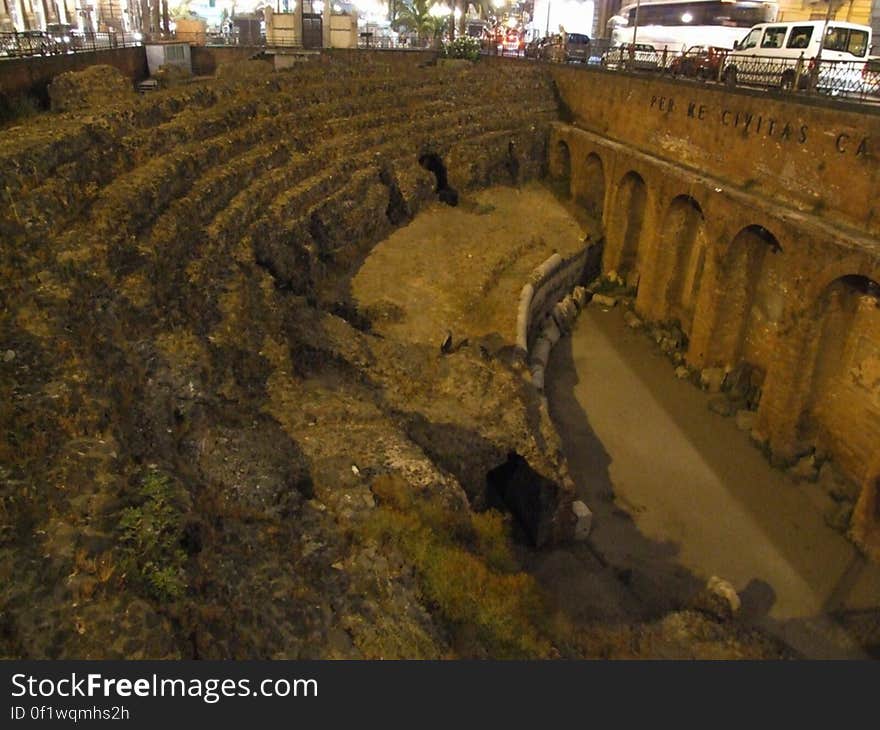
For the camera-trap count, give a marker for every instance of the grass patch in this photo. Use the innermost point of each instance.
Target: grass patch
(466, 572)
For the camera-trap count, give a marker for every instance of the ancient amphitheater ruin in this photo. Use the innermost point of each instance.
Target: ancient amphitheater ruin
(213, 449)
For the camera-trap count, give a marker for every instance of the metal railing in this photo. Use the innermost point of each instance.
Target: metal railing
(855, 80)
(848, 79)
(29, 43)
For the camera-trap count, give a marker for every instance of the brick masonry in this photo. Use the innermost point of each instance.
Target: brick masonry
(750, 221)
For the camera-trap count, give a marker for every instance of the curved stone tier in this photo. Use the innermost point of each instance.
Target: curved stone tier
(202, 438)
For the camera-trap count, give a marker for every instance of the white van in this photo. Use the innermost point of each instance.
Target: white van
(778, 54)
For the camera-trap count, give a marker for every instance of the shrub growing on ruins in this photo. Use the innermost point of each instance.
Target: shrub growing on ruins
(462, 47)
(150, 535)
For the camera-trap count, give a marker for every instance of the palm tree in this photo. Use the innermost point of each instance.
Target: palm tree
(415, 15)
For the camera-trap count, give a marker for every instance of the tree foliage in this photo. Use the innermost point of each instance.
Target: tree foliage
(415, 16)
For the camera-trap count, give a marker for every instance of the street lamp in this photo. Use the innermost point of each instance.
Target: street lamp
(636, 22)
(824, 31)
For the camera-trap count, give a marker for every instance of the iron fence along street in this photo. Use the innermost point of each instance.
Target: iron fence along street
(23, 44)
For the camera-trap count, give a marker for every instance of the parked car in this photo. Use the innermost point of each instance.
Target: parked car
(828, 56)
(28, 43)
(632, 57)
(538, 48)
(65, 36)
(699, 62)
(576, 47)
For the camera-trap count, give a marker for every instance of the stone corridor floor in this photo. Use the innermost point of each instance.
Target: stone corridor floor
(679, 494)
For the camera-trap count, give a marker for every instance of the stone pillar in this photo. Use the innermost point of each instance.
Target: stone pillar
(298, 20)
(651, 296)
(875, 18)
(701, 352)
(6, 24)
(325, 23)
(26, 19)
(786, 391)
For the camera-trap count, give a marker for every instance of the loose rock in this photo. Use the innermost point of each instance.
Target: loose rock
(838, 516)
(711, 379)
(632, 320)
(745, 419)
(722, 406)
(838, 487)
(584, 520)
(604, 301)
(580, 296)
(805, 468)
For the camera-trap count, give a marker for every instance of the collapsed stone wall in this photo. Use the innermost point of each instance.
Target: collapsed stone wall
(195, 419)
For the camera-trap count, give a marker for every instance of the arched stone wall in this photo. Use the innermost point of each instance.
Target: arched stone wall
(626, 228)
(560, 164)
(590, 189)
(866, 516)
(749, 300)
(681, 258)
(841, 413)
(747, 277)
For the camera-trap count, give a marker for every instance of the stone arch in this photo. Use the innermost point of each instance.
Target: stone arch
(866, 516)
(841, 412)
(560, 165)
(750, 298)
(629, 214)
(682, 257)
(591, 187)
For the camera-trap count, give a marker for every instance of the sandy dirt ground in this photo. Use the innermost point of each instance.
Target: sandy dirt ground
(680, 494)
(461, 269)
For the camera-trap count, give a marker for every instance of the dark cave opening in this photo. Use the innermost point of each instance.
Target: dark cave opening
(433, 163)
(532, 498)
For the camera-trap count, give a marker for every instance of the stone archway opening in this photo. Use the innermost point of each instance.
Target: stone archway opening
(751, 299)
(683, 256)
(632, 199)
(591, 193)
(866, 519)
(432, 162)
(842, 413)
(561, 166)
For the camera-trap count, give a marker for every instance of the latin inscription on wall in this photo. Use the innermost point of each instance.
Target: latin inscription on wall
(758, 125)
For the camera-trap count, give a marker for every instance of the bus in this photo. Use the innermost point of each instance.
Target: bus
(676, 25)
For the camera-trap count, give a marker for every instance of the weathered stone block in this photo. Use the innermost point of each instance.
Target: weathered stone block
(745, 420)
(711, 379)
(632, 319)
(805, 468)
(604, 301)
(583, 520)
(721, 405)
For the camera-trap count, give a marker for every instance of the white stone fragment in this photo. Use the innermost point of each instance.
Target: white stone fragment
(723, 589)
(583, 520)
